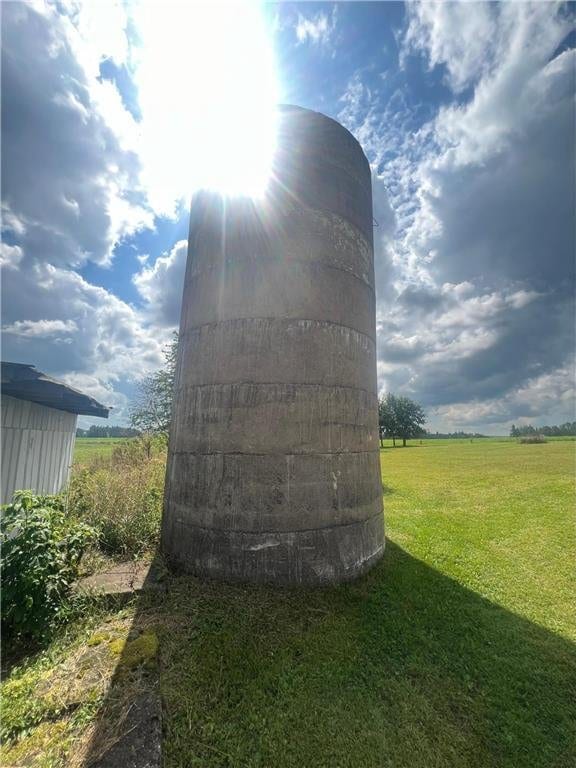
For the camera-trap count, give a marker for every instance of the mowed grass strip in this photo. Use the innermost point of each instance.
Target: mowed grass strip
(457, 650)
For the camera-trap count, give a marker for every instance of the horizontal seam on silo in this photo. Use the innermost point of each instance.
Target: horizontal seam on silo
(277, 319)
(275, 384)
(189, 278)
(273, 453)
(369, 240)
(289, 532)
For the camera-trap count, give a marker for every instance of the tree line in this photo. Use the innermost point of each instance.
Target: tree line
(460, 435)
(568, 429)
(108, 431)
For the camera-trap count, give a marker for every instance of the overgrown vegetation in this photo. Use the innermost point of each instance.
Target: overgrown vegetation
(41, 551)
(122, 496)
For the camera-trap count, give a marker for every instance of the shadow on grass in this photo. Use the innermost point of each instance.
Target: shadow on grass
(404, 667)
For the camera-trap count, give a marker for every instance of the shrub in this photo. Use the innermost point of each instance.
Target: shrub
(530, 439)
(41, 551)
(122, 497)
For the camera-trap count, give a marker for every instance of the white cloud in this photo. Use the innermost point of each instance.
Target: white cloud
(10, 255)
(162, 283)
(40, 328)
(317, 29)
(71, 177)
(103, 392)
(543, 399)
(107, 341)
(461, 36)
(475, 307)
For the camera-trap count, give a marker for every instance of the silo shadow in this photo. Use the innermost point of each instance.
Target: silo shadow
(405, 650)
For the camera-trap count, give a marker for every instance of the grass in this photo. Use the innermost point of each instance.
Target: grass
(88, 448)
(456, 651)
(52, 701)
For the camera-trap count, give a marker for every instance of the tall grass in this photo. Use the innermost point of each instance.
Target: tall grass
(121, 496)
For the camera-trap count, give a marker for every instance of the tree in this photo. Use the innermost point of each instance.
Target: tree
(400, 417)
(387, 418)
(151, 408)
(409, 418)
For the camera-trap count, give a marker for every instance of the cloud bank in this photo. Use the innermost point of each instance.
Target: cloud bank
(476, 298)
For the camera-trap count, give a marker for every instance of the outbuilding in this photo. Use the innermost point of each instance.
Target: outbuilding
(38, 418)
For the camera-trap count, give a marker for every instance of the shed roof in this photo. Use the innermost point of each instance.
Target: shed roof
(25, 382)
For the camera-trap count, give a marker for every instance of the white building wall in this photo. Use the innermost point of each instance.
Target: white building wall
(37, 446)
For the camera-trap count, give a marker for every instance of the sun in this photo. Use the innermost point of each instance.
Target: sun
(208, 91)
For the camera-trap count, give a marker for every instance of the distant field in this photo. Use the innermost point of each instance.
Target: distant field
(87, 448)
(430, 442)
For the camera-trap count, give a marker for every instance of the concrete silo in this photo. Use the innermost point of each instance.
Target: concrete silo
(273, 469)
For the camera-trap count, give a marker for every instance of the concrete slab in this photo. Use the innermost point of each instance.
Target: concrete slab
(123, 579)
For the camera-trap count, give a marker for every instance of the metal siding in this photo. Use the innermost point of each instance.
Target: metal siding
(60, 475)
(53, 455)
(37, 445)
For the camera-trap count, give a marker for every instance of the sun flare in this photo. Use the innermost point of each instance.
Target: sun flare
(208, 91)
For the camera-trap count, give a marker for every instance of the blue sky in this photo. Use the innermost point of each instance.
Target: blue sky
(466, 114)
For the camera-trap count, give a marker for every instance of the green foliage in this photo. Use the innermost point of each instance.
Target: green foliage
(151, 409)
(567, 429)
(41, 550)
(122, 496)
(387, 417)
(400, 417)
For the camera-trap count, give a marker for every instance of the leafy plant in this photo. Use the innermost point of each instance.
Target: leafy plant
(41, 551)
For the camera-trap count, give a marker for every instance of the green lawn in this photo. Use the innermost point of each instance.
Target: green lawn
(88, 448)
(456, 651)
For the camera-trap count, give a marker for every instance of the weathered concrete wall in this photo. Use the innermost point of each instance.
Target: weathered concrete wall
(273, 469)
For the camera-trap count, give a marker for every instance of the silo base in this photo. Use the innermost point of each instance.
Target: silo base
(309, 557)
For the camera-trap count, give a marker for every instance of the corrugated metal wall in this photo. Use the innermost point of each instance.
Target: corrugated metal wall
(37, 445)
